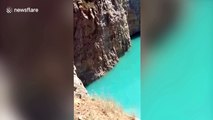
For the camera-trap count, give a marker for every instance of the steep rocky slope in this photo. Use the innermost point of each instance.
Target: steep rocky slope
(101, 36)
(90, 108)
(79, 89)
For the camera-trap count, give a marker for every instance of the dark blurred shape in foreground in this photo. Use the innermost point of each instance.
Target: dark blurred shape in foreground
(36, 52)
(157, 16)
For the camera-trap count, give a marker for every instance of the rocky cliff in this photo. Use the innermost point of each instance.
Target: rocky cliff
(79, 89)
(101, 36)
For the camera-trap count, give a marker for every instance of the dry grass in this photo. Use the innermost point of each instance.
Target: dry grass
(96, 109)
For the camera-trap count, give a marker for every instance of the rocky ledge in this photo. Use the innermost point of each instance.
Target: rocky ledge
(92, 108)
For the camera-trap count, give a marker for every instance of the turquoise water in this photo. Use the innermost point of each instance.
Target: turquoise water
(177, 82)
(123, 83)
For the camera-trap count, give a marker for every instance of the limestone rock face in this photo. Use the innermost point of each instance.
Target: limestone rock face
(101, 36)
(134, 16)
(79, 89)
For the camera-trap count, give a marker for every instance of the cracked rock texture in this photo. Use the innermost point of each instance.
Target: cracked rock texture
(79, 89)
(101, 36)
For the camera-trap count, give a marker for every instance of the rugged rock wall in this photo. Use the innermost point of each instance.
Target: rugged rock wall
(79, 89)
(101, 36)
(134, 16)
